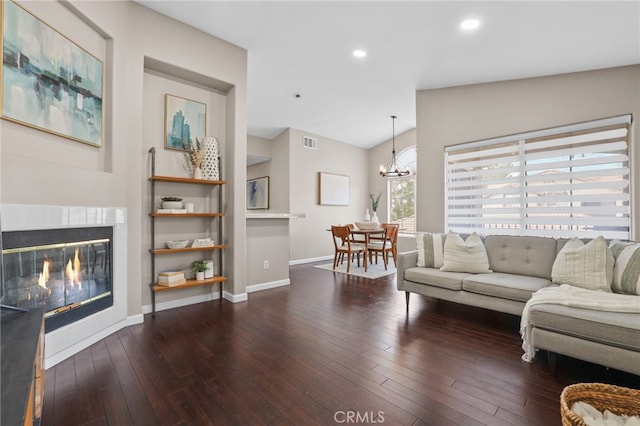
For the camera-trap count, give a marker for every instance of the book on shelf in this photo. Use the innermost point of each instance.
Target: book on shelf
(171, 280)
(171, 274)
(173, 283)
(170, 277)
(172, 211)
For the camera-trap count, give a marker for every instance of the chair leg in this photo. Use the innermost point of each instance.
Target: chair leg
(335, 260)
(406, 298)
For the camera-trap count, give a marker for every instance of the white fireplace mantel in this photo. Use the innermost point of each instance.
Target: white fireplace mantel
(72, 338)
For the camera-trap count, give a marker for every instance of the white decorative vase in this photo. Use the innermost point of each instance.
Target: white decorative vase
(197, 173)
(199, 276)
(367, 216)
(210, 169)
(374, 218)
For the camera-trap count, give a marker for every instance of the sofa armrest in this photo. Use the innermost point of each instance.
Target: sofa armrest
(406, 259)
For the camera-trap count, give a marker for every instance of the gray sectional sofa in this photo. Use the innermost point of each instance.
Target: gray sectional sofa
(521, 266)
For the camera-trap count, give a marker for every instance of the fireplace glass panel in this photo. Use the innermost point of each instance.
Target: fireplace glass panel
(60, 271)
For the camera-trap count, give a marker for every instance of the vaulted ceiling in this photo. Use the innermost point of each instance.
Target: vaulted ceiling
(305, 48)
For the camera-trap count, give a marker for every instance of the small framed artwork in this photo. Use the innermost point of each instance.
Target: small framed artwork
(184, 121)
(48, 82)
(333, 190)
(258, 193)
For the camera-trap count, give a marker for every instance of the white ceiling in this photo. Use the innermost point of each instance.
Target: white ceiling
(305, 47)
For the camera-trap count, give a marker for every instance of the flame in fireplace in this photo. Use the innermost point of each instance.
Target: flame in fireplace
(73, 271)
(43, 277)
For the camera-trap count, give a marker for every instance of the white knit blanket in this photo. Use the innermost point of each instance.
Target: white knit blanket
(593, 417)
(578, 298)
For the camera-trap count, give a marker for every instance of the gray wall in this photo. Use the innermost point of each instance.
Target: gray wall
(268, 239)
(461, 114)
(309, 236)
(293, 172)
(40, 168)
(258, 146)
(444, 117)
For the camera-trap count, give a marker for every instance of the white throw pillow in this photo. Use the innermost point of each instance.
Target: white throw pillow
(430, 249)
(588, 265)
(465, 256)
(626, 271)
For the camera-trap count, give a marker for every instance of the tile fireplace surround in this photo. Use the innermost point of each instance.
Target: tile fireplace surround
(72, 338)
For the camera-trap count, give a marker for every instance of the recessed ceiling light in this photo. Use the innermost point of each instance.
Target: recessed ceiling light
(359, 53)
(470, 24)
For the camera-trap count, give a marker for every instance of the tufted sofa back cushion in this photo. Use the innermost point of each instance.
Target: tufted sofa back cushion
(531, 256)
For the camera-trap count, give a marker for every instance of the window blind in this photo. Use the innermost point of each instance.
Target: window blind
(561, 182)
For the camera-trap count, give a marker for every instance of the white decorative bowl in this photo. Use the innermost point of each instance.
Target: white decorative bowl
(175, 244)
(367, 226)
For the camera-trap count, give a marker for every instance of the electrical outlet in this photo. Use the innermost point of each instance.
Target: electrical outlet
(266, 264)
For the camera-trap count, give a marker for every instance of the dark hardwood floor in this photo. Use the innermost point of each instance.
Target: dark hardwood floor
(327, 349)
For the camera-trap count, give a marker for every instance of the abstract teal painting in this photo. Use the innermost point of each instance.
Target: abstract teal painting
(49, 82)
(184, 121)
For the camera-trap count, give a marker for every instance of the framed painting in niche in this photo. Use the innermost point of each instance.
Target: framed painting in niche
(333, 190)
(49, 82)
(184, 121)
(258, 193)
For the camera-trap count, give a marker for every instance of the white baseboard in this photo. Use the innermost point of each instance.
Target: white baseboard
(235, 298)
(310, 260)
(177, 303)
(72, 350)
(267, 286)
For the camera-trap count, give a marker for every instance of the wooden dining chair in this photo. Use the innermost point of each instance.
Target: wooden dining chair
(351, 227)
(385, 245)
(354, 238)
(344, 245)
(379, 238)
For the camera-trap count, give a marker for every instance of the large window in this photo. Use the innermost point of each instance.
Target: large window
(402, 193)
(561, 182)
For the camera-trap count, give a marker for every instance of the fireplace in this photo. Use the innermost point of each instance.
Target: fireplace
(66, 341)
(66, 272)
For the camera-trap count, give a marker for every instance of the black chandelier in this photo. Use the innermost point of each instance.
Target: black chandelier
(394, 170)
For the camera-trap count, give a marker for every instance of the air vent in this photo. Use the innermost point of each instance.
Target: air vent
(311, 143)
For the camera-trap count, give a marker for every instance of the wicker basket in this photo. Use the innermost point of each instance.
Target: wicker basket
(618, 400)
